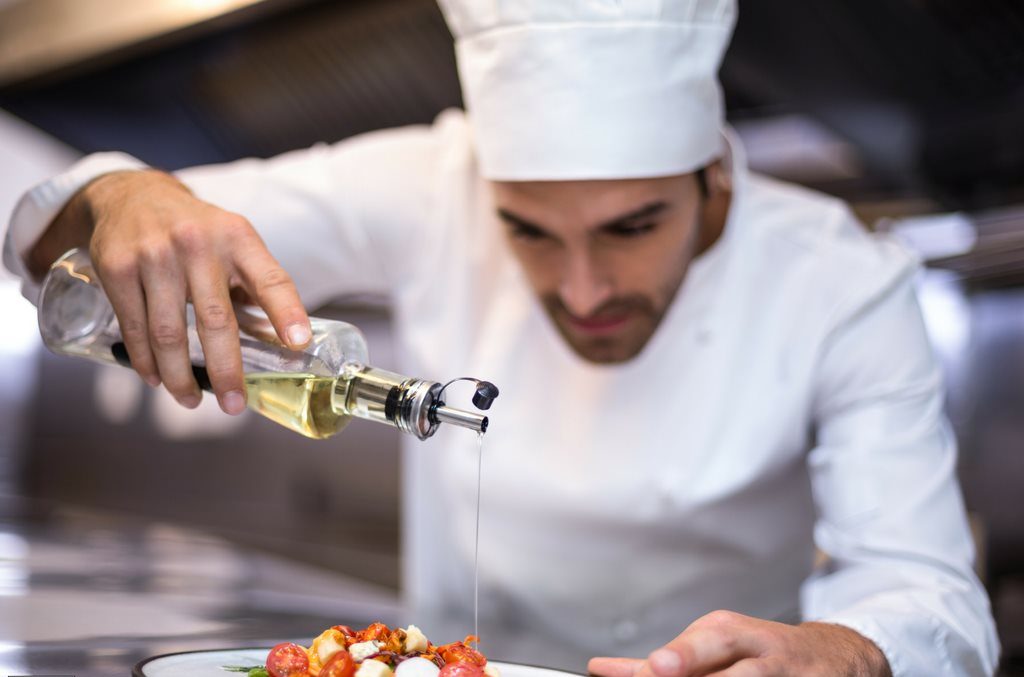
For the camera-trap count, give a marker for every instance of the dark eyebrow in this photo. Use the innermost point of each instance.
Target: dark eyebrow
(650, 209)
(514, 219)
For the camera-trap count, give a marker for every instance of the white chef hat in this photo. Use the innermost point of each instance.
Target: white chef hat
(591, 89)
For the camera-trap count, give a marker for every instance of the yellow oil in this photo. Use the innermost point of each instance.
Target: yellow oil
(300, 402)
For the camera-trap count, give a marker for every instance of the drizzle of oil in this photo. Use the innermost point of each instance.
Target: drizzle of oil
(476, 547)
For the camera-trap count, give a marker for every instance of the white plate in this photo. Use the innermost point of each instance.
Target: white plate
(210, 664)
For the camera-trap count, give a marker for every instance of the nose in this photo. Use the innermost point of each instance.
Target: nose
(584, 286)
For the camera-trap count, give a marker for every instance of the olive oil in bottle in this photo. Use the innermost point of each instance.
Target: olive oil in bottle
(300, 402)
(321, 406)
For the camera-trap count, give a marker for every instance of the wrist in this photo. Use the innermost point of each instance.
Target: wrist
(105, 192)
(74, 224)
(863, 658)
(72, 227)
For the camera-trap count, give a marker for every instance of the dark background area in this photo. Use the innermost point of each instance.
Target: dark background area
(930, 94)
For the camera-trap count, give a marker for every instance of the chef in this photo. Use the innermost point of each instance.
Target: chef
(720, 445)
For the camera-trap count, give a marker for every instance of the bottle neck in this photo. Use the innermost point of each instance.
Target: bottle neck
(409, 404)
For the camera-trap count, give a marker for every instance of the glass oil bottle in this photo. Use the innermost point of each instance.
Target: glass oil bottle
(315, 391)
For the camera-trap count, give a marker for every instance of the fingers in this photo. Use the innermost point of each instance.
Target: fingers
(272, 288)
(172, 248)
(713, 642)
(668, 662)
(692, 653)
(218, 331)
(614, 667)
(164, 285)
(121, 282)
(156, 247)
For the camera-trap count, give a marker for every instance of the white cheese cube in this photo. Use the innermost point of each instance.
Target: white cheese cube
(360, 650)
(327, 647)
(415, 640)
(373, 669)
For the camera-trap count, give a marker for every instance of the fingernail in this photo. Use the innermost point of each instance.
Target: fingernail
(152, 381)
(233, 402)
(298, 335)
(665, 663)
(190, 401)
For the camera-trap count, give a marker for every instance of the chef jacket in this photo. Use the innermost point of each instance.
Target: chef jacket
(788, 406)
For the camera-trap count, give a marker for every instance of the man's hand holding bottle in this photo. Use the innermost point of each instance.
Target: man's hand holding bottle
(155, 247)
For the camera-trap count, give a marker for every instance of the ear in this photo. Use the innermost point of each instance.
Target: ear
(715, 209)
(719, 179)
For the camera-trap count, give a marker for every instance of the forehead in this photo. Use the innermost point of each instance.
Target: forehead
(560, 204)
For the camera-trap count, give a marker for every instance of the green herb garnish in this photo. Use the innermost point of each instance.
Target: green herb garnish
(253, 671)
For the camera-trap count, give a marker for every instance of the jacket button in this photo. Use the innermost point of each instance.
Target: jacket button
(625, 630)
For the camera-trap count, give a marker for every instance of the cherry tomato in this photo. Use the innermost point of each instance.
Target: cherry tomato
(461, 670)
(374, 631)
(287, 660)
(457, 652)
(340, 665)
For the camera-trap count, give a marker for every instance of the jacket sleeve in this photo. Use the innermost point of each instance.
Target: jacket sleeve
(40, 205)
(342, 219)
(891, 518)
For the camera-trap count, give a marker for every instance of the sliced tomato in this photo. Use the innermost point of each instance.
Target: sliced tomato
(461, 670)
(340, 665)
(287, 660)
(458, 652)
(374, 631)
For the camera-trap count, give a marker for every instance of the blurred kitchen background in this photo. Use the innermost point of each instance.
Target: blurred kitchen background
(912, 111)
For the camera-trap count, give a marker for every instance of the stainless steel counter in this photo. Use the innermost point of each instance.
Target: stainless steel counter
(90, 594)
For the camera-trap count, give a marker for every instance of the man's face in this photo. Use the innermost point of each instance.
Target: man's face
(605, 257)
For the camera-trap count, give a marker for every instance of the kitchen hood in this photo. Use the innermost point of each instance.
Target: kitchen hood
(42, 37)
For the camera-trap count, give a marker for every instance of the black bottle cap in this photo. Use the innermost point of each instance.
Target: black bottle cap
(484, 395)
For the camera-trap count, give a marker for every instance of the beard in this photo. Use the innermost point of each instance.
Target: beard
(643, 313)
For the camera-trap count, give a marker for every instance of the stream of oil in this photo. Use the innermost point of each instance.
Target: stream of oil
(476, 546)
(304, 403)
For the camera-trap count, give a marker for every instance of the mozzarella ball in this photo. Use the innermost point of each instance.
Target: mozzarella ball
(417, 667)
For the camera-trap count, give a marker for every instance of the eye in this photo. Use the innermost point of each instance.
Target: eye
(631, 230)
(526, 232)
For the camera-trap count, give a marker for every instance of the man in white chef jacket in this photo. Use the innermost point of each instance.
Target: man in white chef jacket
(707, 376)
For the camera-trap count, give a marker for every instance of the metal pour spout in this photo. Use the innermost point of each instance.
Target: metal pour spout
(466, 419)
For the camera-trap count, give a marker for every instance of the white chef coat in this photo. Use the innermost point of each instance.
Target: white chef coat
(788, 401)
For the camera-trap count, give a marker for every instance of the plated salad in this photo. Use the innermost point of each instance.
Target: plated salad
(374, 651)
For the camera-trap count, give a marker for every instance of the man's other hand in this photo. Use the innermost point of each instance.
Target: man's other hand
(727, 644)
